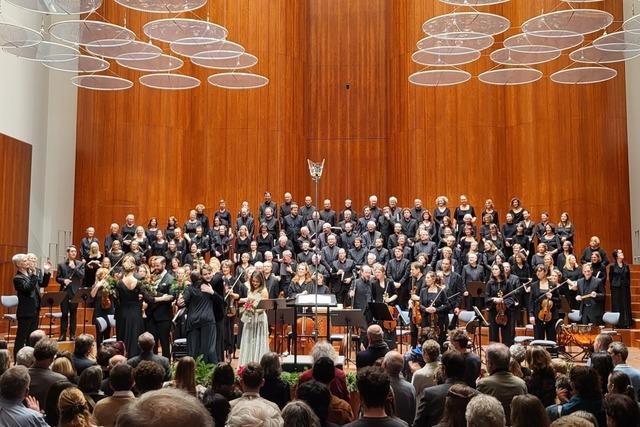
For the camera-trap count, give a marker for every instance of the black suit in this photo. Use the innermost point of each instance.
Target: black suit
(27, 287)
(591, 308)
(69, 310)
(159, 316)
(431, 405)
(340, 287)
(369, 356)
(455, 285)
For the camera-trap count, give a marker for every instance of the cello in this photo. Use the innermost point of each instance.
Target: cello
(392, 324)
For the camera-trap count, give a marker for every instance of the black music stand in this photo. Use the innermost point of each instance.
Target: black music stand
(349, 318)
(475, 290)
(81, 296)
(380, 312)
(277, 311)
(481, 322)
(50, 299)
(309, 300)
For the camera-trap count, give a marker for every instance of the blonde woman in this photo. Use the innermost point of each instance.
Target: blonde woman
(73, 409)
(441, 209)
(301, 282)
(103, 306)
(93, 260)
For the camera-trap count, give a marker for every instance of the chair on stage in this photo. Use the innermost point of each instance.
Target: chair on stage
(8, 302)
(550, 346)
(112, 323)
(611, 318)
(179, 349)
(525, 340)
(574, 316)
(469, 317)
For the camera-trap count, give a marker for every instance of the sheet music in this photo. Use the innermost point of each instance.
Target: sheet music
(311, 299)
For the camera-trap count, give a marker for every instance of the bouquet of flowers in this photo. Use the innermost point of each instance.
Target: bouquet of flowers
(248, 311)
(249, 307)
(177, 288)
(110, 285)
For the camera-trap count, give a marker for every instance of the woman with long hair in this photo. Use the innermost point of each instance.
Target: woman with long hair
(73, 409)
(620, 280)
(567, 249)
(565, 229)
(184, 378)
(455, 405)
(93, 260)
(619, 383)
(516, 210)
(542, 382)
(435, 307)
(129, 322)
(255, 334)
(527, 410)
(62, 365)
(301, 283)
(495, 295)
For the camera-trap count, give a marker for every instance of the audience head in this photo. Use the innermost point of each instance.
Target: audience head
(518, 353)
(104, 354)
(218, 407)
(52, 415)
(14, 383)
(497, 358)
(36, 336)
(375, 334)
(603, 365)
(44, 352)
(453, 365)
(299, 414)
(25, 357)
(185, 375)
(588, 416)
(585, 382)
(90, 379)
(572, 420)
(459, 339)
(458, 398)
(222, 376)
(538, 359)
(317, 396)
(620, 383)
(430, 351)
(393, 364)
(374, 385)
(168, 407)
(83, 345)
(526, 410)
(602, 342)
(270, 364)
(5, 361)
(485, 411)
(116, 360)
(148, 376)
(618, 352)
(252, 377)
(121, 377)
(621, 410)
(324, 370)
(73, 409)
(63, 366)
(146, 341)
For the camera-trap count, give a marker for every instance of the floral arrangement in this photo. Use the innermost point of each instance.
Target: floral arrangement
(177, 288)
(249, 307)
(110, 285)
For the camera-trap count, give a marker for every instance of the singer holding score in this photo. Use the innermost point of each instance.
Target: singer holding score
(591, 296)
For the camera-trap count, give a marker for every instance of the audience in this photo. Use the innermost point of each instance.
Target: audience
(89, 383)
(572, 421)
(63, 366)
(432, 401)
(148, 376)
(115, 360)
(338, 386)
(458, 398)
(621, 410)
(14, 389)
(403, 392)
(485, 411)
(223, 381)
(603, 364)
(527, 410)
(274, 389)
(542, 381)
(5, 361)
(340, 411)
(254, 416)
(52, 416)
(426, 376)
(121, 382)
(25, 357)
(299, 414)
(251, 380)
(160, 408)
(185, 378)
(318, 397)
(472, 363)
(83, 348)
(585, 395)
(146, 343)
(36, 336)
(377, 348)
(619, 383)
(218, 406)
(42, 377)
(518, 354)
(73, 409)
(619, 353)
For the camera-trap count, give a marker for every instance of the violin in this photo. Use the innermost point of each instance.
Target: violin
(434, 323)
(416, 314)
(501, 307)
(546, 305)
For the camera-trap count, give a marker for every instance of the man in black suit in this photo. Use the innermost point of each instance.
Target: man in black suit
(70, 277)
(342, 271)
(431, 405)
(591, 296)
(27, 283)
(454, 286)
(146, 341)
(159, 313)
(377, 348)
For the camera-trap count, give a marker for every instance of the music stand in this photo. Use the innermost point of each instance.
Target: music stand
(82, 295)
(349, 318)
(50, 299)
(309, 300)
(481, 322)
(476, 290)
(380, 311)
(271, 306)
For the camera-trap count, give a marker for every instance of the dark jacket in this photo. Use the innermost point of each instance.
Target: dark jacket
(369, 356)
(28, 289)
(431, 405)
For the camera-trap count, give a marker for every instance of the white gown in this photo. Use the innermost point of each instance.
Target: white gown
(255, 332)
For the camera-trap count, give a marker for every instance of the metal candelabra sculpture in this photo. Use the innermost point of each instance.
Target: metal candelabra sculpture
(315, 170)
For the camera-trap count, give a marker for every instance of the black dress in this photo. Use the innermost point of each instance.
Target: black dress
(130, 322)
(620, 280)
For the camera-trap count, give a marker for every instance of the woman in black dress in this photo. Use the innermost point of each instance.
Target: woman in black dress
(541, 293)
(265, 240)
(159, 245)
(93, 261)
(567, 249)
(172, 223)
(565, 229)
(103, 305)
(194, 255)
(441, 209)
(243, 242)
(620, 279)
(516, 210)
(489, 209)
(522, 239)
(551, 239)
(429, 224)
(191, 224)
(464, 209)
(434, 302)
(572, 272)
(152, 229)
(128, 294)
(116, 253)
(142, 239)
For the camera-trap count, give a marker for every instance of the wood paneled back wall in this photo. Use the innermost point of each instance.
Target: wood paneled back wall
(15, 183)
(339, 91)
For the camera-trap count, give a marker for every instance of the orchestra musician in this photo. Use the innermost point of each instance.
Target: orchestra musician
(417, 282)
(435, 307)
(591, 296)
(70, 277)
(501, 308)
(361, 293)
(160, 312)
(398, 270)
(342, 271)
(542, 316)
(234, 290)
(455, 290)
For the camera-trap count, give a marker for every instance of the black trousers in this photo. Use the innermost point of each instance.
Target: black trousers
(101, 336)
(161, 331)
(591, 315)
(621, 303)
(69, 317)
(26, 325)
(545, 330)
(503, 334)
(220, 328)
(202, 341)
(228, 335)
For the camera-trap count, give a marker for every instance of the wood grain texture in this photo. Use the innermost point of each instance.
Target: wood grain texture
(15, 184)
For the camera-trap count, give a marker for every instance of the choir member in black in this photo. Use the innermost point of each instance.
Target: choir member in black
(86, 242)
(381, 253)
(245, 219)
(417, 210)
(330, 251)
(220, 243)
(271, 280)
(466, 240)
(307, 210)
(315, 225)
(425, 245)
(489, 209)
(327, 214)
(359, 253)
(516, 210)
(142, 239)
(235, 290)
(172, 252)
(287, 271)
(244, 263)
(200, 299)
(447, 253)
(467, 221)
(565, 228)
(495, 237)
(194, 256)
(521, 269)
(223, 214)
(495, 292)
(159, 244)
(272, 223)
(599, 269)
(70, 276)
(254, 255)
(361, 293)
(302, 282)
(347, 237)
(346, 217)
(129, 321)
(540, 295)
(321, 241)
(473, 272)
(551, 239)
(93, 260)
(264, 239)
(203, 241)
(441, 210)
(426, 221)
(620, 279)
(594, 246)
(342, 270)
(464, 208)
(484, 228)
(491, 253)
(172, 224)
(128, 231)
(283, 245)
(557, 279)
(136, 252)
(217, 284)
(159, 309)
(373, 207)
(293, 222)
(243, 243)
(204, 219)
(305, 253)
(182, 244)
(538, 257)
(398, 271)
(316, 265)
(27, 283)
(285, 208)
(521, 297)
(435, 307)
(114, 234)
(363, 222)
(392, 240)
(417, 281)
(529, 225)
(409, 225)
(591, 295)
(567, 249)
(508, 233)
(268, 203)
(386, 223)
(522, 239)
(103, 305)
(384, 292)
(395, 213)
(455, 290)
(539, 229)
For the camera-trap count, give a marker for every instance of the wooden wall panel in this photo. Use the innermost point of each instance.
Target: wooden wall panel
(15, 184)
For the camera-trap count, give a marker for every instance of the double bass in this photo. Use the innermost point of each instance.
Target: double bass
(392, 324)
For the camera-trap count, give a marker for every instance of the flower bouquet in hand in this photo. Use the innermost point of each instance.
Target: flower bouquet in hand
(248, 310)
